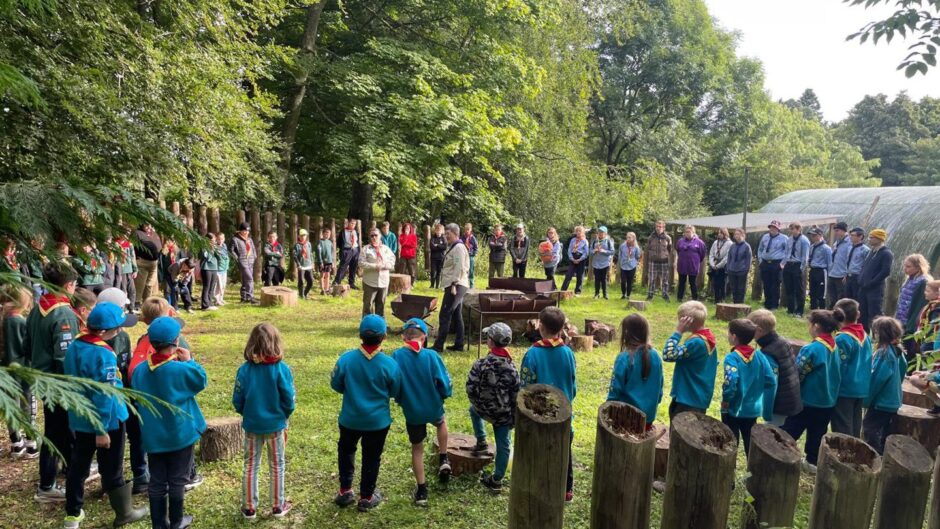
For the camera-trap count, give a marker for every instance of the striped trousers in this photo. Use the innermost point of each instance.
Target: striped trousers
(254, 445)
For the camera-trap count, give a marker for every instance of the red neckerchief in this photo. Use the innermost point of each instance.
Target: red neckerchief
(707, 336)
(414, 345)
(827, 340)
(266, 360)
(370, 350)
(303, 246)
(498, 234)
(157, 359)
(466, 238)
(501, 352)
(94, 339)
(275, 245)
(855, 330)
(746, 352)
(123, 243)
(11, 260)
(171, 251)
(551, 342)
(247, 244)
(50, 301)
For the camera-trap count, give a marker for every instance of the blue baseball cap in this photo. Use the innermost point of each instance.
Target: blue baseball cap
(163, 331)
(416, 323)
(106, 316)
(373, 323)
(602, 229)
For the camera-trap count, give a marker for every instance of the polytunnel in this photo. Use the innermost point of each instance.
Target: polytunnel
(911, 216)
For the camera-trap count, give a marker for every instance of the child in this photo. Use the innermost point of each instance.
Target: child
(90, 357)
(785, 401)
(182, 276)
(929, 320)
(628, 257)
(91, 266)
(325, 260)
(126, 269)
(819, 366)
(17, 302)
(425, 384)
(550, 361)
(171, 375)
(884, 396)
(303, 259)
(264, 396)
(209, 268)
(492, 386)
(273, 255)
(855, 358)
(693, 380)
(438, 245)
(748, 378)
(367, 379)
(222, 255)
(638, 370)
(603, 250)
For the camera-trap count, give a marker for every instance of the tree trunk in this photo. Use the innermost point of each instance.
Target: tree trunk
(623, 448)
(905, 483)
(846, 484)
(933, 520)
(540, 466)
(702, 453)
(399, 283)
(222, 439)
(259, 242)
(774, 478)
(915, 397)
(360, 207)
(463, 460)
(731, 311)
(278, 297)
(917, 423)
(388, 210)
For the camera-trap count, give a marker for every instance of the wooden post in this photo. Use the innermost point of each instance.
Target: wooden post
(905, 483)
(188, 214)
(202, 219)
(622, 448)
(315, 234)
(917, 423)
(773, 478)
(334, 237)
(281, 227)
(914, 397)
(540, 465)
(756, 285)
(933, 518)
(222, 439)
(175, 208)
(846, 484)
(259, 242)
(427, 249)
(162, 203)
(699, 479)
(291, 235)
(214, 220)
(305, 224)
(266, 225)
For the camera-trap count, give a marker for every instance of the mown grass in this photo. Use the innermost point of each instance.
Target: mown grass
(316, 333)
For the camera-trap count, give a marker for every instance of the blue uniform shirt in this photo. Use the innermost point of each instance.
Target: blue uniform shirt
(772, 248)
(748, 379)
(91, 358)
(367, 382)
(177, 383)
(798, 250)
(629, 256)
(840, 258)
(264, 396)
(887, 373)
(555, 366)
(693, 380)
(577, 246)
(858, 258)
(819, 367)
(603, 257)
(425, 384)
(627, 384)
(820, 256)
(855, 361)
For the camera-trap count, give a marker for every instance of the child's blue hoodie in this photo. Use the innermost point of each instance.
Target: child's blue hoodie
(854, 346)
(749, 377)
(819, 366)
(693, 380)
(90, 357)
(264, 396)
(550, 362)
(177, 383)
(627, 384)
(425, 384)
(367, 381)
(887, 373)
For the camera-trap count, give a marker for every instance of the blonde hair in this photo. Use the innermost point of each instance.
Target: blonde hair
(933, 284)
(725, 232)
(630, 236)
(84, 298)
(153, 308)
(695, 310)
(689, 227)
(919, 262)
(19, 297)
(764, 319)
(264, 344)
(412, 333)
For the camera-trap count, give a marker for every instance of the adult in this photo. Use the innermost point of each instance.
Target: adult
(519, 251)
(718, 264)
(603, 250)
(819, 262)
(273, 260)
(858, 253)
(303, 261)
(377, 262)
(349, 246)
(739, 265)
(455, 278)
(911, 300)
(473, 246)
(658, 255)
(209, 268)
(408, 252)
(499, 244)
(690, 251)
(628, 257)
(438, 245)
(244, 251)
(771, 251)
(550, 255)
(147, 247)
(793, 267)
(126, 270)
(389, 238)
(578, 256)
(841, 246)
(873, 277)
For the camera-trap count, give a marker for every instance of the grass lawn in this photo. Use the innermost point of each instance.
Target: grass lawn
(316, 333)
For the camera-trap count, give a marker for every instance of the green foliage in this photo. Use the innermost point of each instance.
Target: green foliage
(919, 18)
(808, 103)
(924, 162)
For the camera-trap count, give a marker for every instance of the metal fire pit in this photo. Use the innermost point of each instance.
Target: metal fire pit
(407, 306)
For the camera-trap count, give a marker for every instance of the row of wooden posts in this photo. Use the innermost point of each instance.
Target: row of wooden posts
(854, 485)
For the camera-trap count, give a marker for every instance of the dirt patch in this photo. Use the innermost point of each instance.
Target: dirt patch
(541, 403)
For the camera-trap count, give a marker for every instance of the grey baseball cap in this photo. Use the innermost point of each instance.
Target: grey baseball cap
(500, 333)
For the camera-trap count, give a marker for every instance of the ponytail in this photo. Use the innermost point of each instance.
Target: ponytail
(645, 361)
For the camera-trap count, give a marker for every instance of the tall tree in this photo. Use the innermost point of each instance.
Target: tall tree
(808, 104)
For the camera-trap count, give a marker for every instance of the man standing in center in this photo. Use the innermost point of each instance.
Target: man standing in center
(377, 262)
(455, 282)
(349, 253)
(795, 263)
(498, 245)
(841, 246)
(245, 253)
(858, 254)
(658, 255)
(771, 252)
(820, 261)
(872, 278)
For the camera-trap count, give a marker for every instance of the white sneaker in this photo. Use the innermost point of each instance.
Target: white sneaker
(808, 468)
(18, 449)
(92, 473)
(55, 494)
(74, 522)
(659, 486)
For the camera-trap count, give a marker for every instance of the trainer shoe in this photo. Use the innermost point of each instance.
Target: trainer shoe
(444, 471)
(195, 482)
(808, 467)
(494, 485)
(280, 512)
(481, 447)
(345, 499)
(659, 486)
(420, 496)
(569, 496)
(249, 514)
(53, 494)
(74, 522)
(32, 451)
(18, 449)
(93, 473)
(367, 504)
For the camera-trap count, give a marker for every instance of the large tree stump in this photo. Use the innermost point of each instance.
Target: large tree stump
(340, 291)
(661, 460)
(399, 283)
(623, 448)
(846, 484)
(731, 311)
(933, 520)
(460, 452)
(905, 483)
(638, 304)
(278, 297)
(583, 343)
(773, 466)
(222, 439)
(540, 465)
(919, 424)
(913, 396)
(702, 453)
(602, 332)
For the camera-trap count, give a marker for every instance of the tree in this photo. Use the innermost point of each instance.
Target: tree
(924, 163)
(920, 18)
(808, 104)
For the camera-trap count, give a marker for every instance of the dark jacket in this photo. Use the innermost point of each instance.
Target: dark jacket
(438, 247)
(739, 258)
(498, 245)
(875, 269)
(147, 247)
(777, 349)
(659, 248)
(492, 386)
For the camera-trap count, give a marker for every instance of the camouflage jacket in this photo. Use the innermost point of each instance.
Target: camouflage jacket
(492, 387)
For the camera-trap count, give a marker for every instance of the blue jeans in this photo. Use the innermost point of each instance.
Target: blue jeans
(472, 270)
(503, 436)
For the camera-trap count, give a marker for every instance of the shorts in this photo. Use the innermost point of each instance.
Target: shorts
(417, 433)
(326, 268)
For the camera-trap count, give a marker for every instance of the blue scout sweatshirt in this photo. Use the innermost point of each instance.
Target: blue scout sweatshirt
(693, 380)
(90, 357)
(425, 383)
(855, 358)
(264, 396)
(887, 373)
(627, 384)
(177, 383)
(550, 362)
(749, 378)
(819, 366)
(367, 382)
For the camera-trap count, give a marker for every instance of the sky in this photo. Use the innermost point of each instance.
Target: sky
(802, 45)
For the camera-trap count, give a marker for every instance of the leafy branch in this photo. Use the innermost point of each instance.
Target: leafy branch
(913, 17)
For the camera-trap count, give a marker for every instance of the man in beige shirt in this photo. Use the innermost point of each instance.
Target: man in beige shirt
(376, 262)
(455, 280)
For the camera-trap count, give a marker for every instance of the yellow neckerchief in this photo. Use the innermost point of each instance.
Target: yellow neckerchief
(829, 348)
(551, 342)
(161, 360)
(853, 335)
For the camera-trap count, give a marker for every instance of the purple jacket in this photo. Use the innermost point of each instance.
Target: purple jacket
(690, 254)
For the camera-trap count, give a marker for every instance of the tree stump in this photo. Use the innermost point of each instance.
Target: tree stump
(540, 465)
(561, 295)
(582, 343)
(846, 484)
(278, 297)
(731, 311)
(913, 396)
(774, 478)
(623, 448)
(638, 305)
(920, 425)
(933, 520)
(222, 439)
(905, 483)
(661, 460)
(602, 332)
(460, 452)
(399, 284)
(702, 453)
(340, 291)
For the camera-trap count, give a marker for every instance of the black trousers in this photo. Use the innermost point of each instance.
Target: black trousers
(627, 278)
(871, 304)
(793, 284)
(676, 408)
(518, 269)
(373, 444)
(210, 280)
(770, 279)
(126, 283)
(58, 433)
(273, 276)
(184, 294)
(550, 276)
(570, 484)
(875, 428)
(851, 288)
(136, 448)
(738, 286)
(110, 466)
(169, 475)
(835, 290)
(813, 421)
(817, 288)
(741, 428)
(719, 280)
(437, 265)
(575, 270)
(348, 263)
(600, 280)
(304, 282)
(693, 284)
(451, 311)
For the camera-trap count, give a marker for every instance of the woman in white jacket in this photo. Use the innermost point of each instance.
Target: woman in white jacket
(375, 263)
(717, 261)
